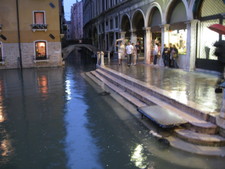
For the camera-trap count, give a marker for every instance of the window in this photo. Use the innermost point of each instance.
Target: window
(39, 18)
(39, 21)
(40, 50)
(1, 57)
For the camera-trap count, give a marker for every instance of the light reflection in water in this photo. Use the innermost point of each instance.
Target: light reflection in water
(2, 114)
(138, 158)
(43, 84)
(68, 91)
(80, 146)
(5, 147)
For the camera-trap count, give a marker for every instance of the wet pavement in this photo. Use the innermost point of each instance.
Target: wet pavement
(197, 87)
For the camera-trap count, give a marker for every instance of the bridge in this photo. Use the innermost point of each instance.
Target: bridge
(67, 50)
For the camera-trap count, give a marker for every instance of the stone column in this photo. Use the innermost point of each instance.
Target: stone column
(147, 47)
(122, 35)
(102, 59)
(98, 58)
(191, 45)
(133, 38)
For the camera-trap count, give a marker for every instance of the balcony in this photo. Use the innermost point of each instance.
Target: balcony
(39, 27)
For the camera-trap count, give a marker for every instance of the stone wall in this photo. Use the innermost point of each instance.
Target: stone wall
(12, 60)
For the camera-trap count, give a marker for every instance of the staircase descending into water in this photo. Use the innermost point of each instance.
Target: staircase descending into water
(196, 134)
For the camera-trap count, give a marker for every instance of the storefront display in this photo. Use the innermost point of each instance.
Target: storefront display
(178, 38)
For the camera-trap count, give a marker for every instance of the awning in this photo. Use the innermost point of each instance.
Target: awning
(218, 28)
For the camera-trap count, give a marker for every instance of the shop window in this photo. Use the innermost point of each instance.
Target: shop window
(1, 56)
(40, 50)
(207, 48)
(178, 38)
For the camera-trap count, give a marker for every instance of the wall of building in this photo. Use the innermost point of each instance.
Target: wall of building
(25, 38)
(178, 24)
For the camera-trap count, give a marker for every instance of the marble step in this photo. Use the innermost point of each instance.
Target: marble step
(200, 138)
(189, 107)
(196, 149)
(125, 95)
(149, 100)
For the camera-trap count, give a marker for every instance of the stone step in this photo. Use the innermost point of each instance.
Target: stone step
(203, 127)
(200, 138)
(196, 149)
(188, 107)
(121, 92)
(150, 100)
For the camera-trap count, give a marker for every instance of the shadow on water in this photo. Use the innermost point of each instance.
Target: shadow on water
(51, 118)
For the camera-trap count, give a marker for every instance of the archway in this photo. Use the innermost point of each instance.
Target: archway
(95, 37)
(138, 31)
(177, 18)
(125, 26)
(208, 13)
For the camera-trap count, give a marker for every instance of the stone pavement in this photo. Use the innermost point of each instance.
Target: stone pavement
(182, 85)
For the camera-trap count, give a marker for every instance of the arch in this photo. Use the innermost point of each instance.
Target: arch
(125, 25)
(201, 8)
(139, 17)
(95, 36)
(172, 6)
(153, 6)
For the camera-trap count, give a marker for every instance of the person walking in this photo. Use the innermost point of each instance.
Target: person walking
(155, 53)
(134, 55)
(121, 52)
(129, 52)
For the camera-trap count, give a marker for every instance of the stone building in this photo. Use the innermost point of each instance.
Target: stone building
(180, 22)
(30, 34)
(77, 20)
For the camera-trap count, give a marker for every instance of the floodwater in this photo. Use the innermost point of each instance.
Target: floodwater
(52, 118)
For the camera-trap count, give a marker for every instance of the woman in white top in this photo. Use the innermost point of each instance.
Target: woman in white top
(121, 52)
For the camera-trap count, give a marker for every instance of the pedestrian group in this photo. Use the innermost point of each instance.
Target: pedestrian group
(132, 52)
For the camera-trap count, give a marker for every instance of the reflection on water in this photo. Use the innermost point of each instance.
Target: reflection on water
(80, 145)
(43, 84)
(51, 118)
(138, 157)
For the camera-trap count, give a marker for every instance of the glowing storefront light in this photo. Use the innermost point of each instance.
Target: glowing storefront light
(178, 38)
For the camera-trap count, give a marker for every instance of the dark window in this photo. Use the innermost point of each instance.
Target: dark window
(40, 50)
(1, 57)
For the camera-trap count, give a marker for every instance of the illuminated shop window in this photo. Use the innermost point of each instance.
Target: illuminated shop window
(178, 38)
(208, 38)
(1, 56)
(40, 50)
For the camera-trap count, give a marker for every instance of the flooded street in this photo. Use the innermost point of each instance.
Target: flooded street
(52, 118)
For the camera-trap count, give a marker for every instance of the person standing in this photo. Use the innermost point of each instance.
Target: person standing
(129, 52)
(121, 52)
(155, 53)
(174, 56)
(138, 48)
(134, 55)
(166, 56)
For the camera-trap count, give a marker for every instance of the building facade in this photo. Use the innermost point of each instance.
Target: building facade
(30, 34)
(180, 22)
(77, 21)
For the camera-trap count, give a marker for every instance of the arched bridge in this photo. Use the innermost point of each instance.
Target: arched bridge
(67, 50)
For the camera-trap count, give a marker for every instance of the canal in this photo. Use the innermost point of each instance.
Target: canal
(52, 118)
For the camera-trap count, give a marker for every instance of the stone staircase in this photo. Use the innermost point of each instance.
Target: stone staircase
(199, 135)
